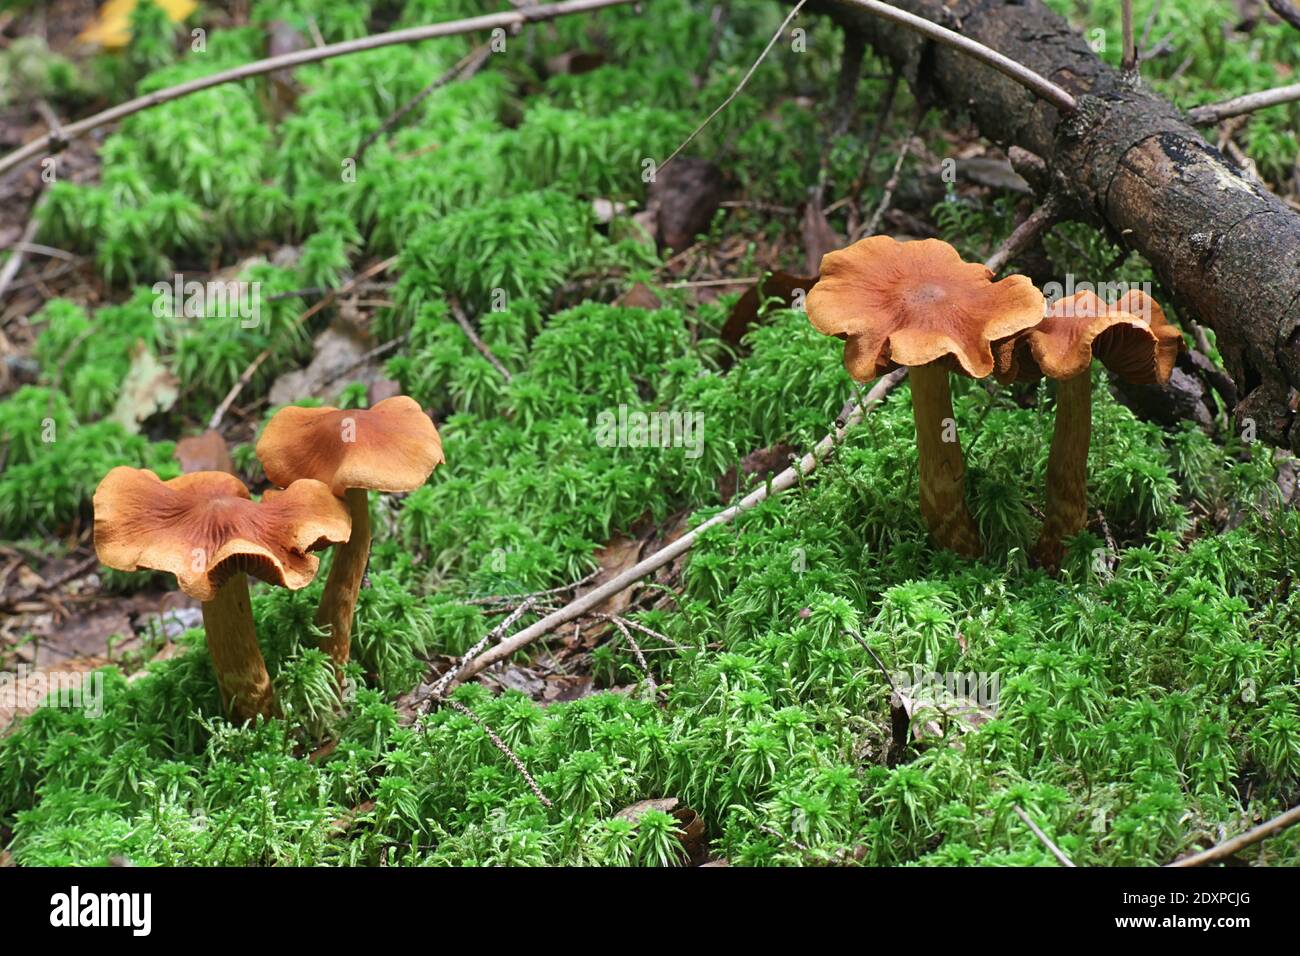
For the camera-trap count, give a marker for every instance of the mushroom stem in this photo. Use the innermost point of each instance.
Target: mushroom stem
(346, 573)
(236, 658)
(939, 458)
(1067, 469)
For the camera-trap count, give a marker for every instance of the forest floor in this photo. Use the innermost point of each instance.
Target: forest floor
(731, 708)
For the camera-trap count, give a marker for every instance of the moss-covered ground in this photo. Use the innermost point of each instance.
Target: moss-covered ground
(1148, 698)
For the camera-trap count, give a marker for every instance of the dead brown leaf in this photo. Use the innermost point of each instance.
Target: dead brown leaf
(785, 286)
(206, 452)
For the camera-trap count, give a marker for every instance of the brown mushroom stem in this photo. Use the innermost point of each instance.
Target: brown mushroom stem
(1067, 469)
(236, 657)
(942, 469)
(346, 573)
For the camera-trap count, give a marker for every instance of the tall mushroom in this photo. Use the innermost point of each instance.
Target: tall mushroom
(1133, 339)
(917, 304)
(391, 447)
(204, 529)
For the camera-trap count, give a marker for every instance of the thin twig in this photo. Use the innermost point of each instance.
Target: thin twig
(1129, 60)
(1151, 22)
(619, 623)
(736, 92)
(15, 260)
(519, 598)
(477, 342)
(501, 746)
(1035, 224)
(1238, 843)
(649, 632)
(510, 20)
(443, 682)
(1215, 112)
(779, 483)
(248, 373)
(1037, 84)
(464, 68)
(1042, 837)
(870, 228)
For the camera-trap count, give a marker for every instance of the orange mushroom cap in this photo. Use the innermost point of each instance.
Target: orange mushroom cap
(203, 527)
(913, 303)
(1132, 338)
(390, 447)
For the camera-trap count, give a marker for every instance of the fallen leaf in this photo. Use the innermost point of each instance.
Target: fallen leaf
(336, 361)
(575, 62)
(111, 27)
(206, 452)
(640, 296)
(149, 388)
(785, 286)
(818, 236)
(615, 557)
(684, 196)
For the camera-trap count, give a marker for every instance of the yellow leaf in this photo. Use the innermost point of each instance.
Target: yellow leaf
(111, 27)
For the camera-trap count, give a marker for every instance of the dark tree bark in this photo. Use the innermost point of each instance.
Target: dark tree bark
(1226, 248)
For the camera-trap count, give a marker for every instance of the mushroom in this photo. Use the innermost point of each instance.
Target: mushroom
(917, 304)
(392, 447)
(204, 529)
(1133, 339)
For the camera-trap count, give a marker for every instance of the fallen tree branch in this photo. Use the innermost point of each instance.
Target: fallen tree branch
(510, 20)
(593, 598)
(1128, 161)
(1241, 841)
(1036, 83)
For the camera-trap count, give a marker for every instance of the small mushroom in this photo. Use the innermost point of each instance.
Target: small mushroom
(1133, 339)
(392, 447)
(204, 529)
(917, 304)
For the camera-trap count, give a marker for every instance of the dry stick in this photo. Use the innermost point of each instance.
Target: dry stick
(1037, 84)
(663, 556)
(467, 65)
(511, 20)
(649, 632)
(513, 598)
(743, 80)
(1024, 234)
(619, 623)
(1042, 837)
(501, 746)
(440, 687)
(870, 228)
(873, 147)
(248, 373)
(1129, 60)
(1239, 843)
(15, 260)
(1214, 112)
(477, 342)
(1151, 22)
